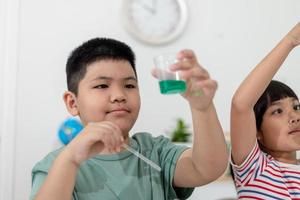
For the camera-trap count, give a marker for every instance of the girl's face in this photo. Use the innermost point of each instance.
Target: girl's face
(280, 128)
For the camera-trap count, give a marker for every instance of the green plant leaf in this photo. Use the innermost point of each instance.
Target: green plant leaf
(181, 132)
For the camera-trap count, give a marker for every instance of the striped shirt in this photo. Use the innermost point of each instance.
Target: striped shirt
(260, 176)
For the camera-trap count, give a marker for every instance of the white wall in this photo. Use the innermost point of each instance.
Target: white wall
(9, 16)
(229, 37)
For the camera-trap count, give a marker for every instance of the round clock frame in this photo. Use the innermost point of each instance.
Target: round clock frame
(155, 22)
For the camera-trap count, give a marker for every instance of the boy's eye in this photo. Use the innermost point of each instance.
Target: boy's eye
(297, 107)
(130, 86)
(277, 111)
(101, 86)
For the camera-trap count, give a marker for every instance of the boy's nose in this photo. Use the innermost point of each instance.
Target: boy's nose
(118, 96)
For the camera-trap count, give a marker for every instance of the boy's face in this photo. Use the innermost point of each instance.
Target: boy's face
(108, 92)
(280, 129)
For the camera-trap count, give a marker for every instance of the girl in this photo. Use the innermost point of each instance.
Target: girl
(265, 130)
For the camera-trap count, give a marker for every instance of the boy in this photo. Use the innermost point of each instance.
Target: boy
(103, 91)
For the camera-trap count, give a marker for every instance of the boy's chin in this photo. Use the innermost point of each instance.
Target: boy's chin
(125, 130)
(125, 126)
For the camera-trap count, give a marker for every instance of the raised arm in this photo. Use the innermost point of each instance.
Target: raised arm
(208, 157)
(243, 124)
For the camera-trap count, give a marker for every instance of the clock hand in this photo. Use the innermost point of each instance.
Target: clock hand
(147, 7)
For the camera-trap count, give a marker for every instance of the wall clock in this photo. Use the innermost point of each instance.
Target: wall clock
(154, 21)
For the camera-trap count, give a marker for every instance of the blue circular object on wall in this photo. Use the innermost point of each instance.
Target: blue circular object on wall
(69, 129)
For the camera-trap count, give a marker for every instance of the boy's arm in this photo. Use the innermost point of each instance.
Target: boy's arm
(208, 157)
(95, 137)
(243, 125)
(60, 180)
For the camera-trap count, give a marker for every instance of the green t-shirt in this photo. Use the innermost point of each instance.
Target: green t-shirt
(123, 175)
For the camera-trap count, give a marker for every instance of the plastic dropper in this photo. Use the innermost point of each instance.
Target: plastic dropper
(149, 162)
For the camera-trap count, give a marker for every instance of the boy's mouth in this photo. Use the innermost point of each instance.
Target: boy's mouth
(119, 110)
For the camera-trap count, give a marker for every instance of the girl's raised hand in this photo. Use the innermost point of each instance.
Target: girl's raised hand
(294, 35)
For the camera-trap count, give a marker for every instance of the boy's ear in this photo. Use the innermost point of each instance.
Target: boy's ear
(71, 103)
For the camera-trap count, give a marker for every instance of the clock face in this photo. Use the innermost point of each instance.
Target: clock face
(154, 21)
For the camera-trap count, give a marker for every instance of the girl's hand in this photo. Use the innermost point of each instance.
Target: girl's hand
(93, 139)
(294, 35)
(200, 87)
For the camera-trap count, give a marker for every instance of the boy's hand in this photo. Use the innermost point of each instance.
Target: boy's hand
(93, 139)
(294, 35)
(200, 87)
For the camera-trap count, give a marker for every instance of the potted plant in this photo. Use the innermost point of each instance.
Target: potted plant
(181, 133)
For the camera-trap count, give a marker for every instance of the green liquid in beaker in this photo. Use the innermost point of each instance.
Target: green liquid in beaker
(172, 86)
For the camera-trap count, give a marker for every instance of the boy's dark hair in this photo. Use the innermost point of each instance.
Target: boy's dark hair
(91, 51)
(275, 91)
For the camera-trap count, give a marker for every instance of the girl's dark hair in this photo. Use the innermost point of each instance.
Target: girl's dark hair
(275, 91)
(94, 50)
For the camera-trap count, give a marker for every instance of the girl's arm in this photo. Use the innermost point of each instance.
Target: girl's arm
(243, 124)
